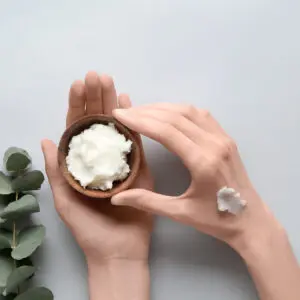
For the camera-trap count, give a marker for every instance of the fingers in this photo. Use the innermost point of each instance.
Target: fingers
(93, 90)
(109, 95)
(149, 202)
(164, 133)
(200, 117)
(77, 102)
(184, 125)
(124, 101)
(60, 189)
(96, 95)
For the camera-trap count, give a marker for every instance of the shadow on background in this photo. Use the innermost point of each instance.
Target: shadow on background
(182, 250)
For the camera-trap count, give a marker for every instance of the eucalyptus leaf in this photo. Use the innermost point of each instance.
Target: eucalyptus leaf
(4, 201)
(29, 240)
(5, 185)
(5, 239)
(2, 206)
(38, 293)
(6, 224)
(28, 182)
(6, 268)
(25, 262)
(16, 159)
(18, 276)
(28, 204)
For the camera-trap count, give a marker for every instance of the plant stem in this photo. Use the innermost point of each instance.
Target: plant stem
(14, 241)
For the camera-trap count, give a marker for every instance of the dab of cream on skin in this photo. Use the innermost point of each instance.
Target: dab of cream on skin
(98, 157)
(229, 200)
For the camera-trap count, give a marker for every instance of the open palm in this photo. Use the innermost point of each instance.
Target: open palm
(102, 230)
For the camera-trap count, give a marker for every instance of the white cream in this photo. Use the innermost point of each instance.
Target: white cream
(98, 157)
(229, 200)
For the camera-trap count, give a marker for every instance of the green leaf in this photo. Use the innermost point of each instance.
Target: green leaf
(5, 239)
(29, 240)
(5, 185)
(7, 224)
(28, 204)
(28, 182)
(16, 159)
(25, 262)
(4, 201)
(38, 293)
(17, 277)
(6, 268)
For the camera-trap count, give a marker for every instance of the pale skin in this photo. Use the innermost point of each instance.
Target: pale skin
(115, 240)
(117, 246)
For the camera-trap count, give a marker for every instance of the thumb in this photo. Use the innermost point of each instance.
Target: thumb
(59, 186)
(149, 202)
(50, 155)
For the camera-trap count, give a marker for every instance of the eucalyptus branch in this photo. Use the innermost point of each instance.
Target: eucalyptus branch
(18, 244)
(13, 246)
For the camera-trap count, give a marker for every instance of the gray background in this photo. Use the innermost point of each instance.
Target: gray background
(238, 58)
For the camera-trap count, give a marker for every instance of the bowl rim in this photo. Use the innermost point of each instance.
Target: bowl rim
(74, 129)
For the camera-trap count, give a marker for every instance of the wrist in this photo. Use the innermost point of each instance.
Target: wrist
(259, 232)
(119, 279)
(270, 260)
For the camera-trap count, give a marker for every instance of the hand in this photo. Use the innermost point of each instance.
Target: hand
(213, 161)
(104, 232)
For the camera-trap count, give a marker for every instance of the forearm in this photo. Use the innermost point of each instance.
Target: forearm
(119, 280)
(271, 262)
(275, 272)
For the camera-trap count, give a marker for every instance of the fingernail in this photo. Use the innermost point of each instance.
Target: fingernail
(115, 201)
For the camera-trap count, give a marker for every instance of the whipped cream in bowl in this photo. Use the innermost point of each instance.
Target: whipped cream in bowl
(98, 156)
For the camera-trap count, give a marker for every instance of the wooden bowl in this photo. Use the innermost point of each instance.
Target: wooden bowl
(133, 158)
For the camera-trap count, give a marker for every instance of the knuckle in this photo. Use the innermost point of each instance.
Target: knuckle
(227, 149)
(173, 118)
(204, 114)
(178, 121)
(190, 110)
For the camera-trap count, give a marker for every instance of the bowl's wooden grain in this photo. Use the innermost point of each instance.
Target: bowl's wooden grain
(134, 158)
